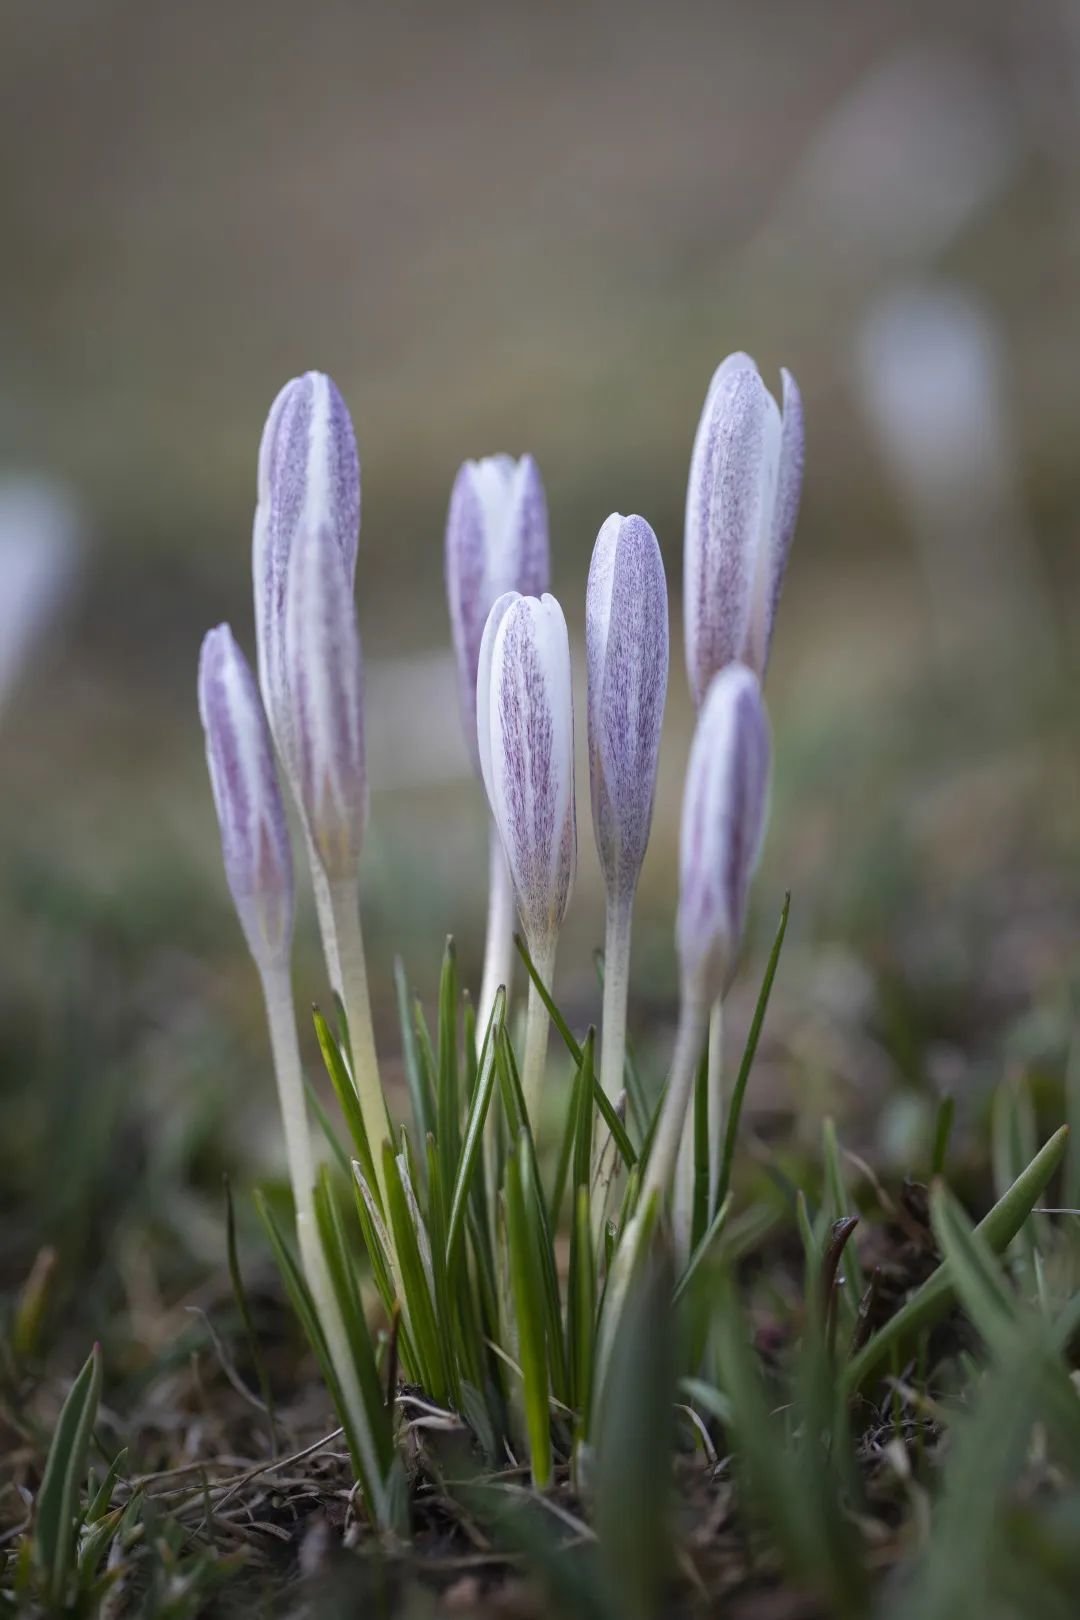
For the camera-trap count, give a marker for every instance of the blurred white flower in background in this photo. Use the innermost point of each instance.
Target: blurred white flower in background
(903, 162)
(40, 530)
(932, 378)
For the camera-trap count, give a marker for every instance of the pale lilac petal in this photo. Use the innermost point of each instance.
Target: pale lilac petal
(251, 814)
(626, 632)
(326, 700)
(499, 608)
(788, 493)
(741, 505)
(308, 479)
(723, 524)
(531, 767)
(723, 824)
(496, 541)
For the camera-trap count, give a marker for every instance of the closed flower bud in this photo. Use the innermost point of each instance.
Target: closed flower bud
(742, 501)
(308, 480)
(723, 823)
(525, 725)
(496, 541)
(254, 833)
(325, 690)
(626, 638)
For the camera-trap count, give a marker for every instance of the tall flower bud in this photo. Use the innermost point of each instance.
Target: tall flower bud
(325, 700)
(742, 501)
(496, 541)
(250, 811)
(308, 481)
(723, 824)
(525, 736)
(626, 640)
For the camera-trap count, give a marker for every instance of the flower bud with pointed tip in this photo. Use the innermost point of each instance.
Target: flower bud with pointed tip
(308, 480)
(525, 722)
(247, 797)
(496, 541)
(325, 687)
(742, 501)
(626, 638)
(723, 823)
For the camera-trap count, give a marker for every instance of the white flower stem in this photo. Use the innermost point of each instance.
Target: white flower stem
(617, 933)
(281, 1018)
(345, 910)
(536, 1033)
(620, 913)
(325, 913)
(499, 948)
(716, 1097)
(662, 1160)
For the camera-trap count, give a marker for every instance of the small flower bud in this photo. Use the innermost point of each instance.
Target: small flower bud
(254, 833)
(626, 638)
(525, 726)
(325, 687)
(723, 824)
(742, 501)
(496, 541)
(308, 479)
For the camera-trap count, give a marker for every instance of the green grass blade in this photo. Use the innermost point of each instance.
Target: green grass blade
(474, 1128)
(417, 1302)
(65, 1468)
(634, 1430)
(345, 1092)
(447, 1097)
(420, 1098)
(581, 1308)
(242, 1305)
(527, 1292)
(739, 1092)
(937, 1294)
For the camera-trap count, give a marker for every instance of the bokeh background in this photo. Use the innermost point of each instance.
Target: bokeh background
(515, 226)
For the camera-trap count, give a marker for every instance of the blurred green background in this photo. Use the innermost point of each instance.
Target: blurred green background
(516, 227)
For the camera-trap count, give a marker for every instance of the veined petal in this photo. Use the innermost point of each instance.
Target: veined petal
(326, 699)
(530, 771)
(499, 609)
(626, 633)
(308, 479)
(723, 822)
(741, 505)
(251, 814)
(496, 541)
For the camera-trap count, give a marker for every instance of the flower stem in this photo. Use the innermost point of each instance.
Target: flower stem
(536, 1032)
(716, 1098)
(613, 1044)
(499, 948)
(281, 1018)
(620, 914)
(691, 1032)
(345, 910)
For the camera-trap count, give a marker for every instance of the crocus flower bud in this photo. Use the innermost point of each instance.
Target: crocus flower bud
(723, 822)
(308, 479)
(525, 735)
(254, 833)
(742, 501)
(325, 696)
(626, 638)
(496, 541)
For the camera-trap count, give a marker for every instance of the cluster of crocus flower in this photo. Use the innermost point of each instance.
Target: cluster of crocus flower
(514, 663)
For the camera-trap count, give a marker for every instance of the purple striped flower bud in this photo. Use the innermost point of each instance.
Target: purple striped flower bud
(254, 833)
(742, 500)
(325, 694)
(626, 639)
(525, 733)
(308, 479)
(723, 823)
(496, 541)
